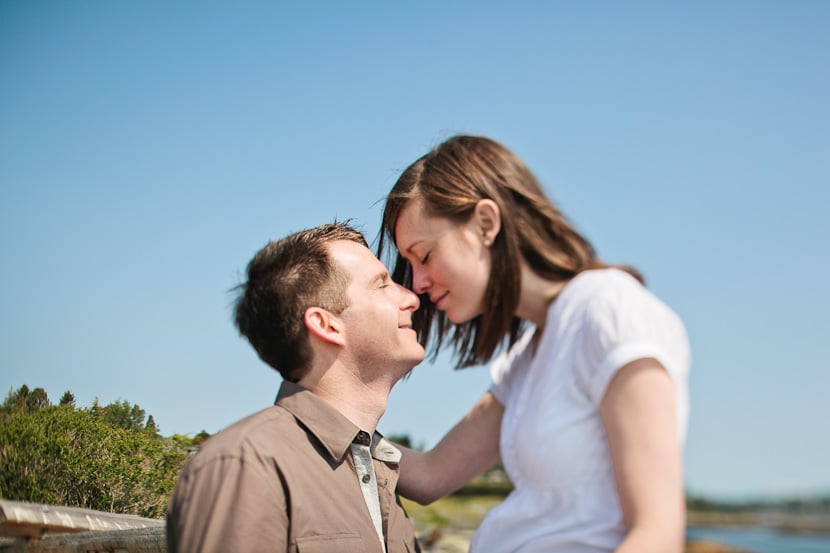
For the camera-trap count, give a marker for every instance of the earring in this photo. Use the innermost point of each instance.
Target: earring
(487, 242)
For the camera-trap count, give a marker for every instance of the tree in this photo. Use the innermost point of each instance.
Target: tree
(124, 415)
(15, 400)
(151, 425)
(402, 439)
(25, 400)
(68, 398)
(95, 410)
(199, 438)
(37, 400)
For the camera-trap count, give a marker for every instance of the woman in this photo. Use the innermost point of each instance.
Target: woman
(588, 407)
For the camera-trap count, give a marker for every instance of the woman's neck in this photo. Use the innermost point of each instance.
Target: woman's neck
(536, 296)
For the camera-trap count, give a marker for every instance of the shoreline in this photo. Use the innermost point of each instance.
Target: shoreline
(457, 540)
(770, 520)
(447, 525)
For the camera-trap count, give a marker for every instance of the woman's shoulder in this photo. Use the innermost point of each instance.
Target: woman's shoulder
(598, 288)
(601, 280)
(612, 298)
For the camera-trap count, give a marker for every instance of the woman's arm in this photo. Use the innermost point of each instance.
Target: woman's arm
(471, 447)
(638, 412)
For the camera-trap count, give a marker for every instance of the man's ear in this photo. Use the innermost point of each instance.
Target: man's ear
(488, 218)
(324, 324)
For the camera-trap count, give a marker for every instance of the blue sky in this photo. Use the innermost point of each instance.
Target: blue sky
(147, 150)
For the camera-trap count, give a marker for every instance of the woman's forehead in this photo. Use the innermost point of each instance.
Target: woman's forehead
(416, 225)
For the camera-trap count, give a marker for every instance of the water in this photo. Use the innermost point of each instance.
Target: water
(762, 540)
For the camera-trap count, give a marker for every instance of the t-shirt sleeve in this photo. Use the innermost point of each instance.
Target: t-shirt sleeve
(504, 368)
(500, 375)
(227, 504)
(622, 323)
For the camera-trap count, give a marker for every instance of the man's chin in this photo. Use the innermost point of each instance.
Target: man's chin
(410, 371)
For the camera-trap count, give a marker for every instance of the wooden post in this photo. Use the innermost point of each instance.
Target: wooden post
(36, 528)
(135, 540)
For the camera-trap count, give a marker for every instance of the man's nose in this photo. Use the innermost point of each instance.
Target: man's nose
(411, 300)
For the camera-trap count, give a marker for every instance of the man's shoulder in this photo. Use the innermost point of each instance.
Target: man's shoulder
(259, 432)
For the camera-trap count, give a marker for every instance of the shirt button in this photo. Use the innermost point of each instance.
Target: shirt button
(366, 478)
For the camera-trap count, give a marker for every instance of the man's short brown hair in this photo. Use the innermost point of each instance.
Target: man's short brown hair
(285, 278)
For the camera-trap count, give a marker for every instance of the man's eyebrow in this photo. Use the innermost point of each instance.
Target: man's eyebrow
(381, 276)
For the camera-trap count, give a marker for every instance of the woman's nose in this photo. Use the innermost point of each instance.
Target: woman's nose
(420, 281)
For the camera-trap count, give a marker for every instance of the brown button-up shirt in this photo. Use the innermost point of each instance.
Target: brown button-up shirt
(282, 479)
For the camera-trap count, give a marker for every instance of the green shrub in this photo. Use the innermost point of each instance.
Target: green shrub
(66, 456)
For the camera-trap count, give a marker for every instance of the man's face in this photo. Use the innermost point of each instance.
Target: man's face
(378, 320)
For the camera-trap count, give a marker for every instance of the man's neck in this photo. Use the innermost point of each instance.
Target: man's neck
(360, 402)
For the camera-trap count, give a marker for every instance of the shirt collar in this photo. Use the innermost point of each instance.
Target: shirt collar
(334, 431)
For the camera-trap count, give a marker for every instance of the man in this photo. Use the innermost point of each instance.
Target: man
(309, 473)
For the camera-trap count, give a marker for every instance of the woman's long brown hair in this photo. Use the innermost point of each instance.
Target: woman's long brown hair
(450, 180)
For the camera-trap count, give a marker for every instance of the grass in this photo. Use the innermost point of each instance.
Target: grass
(454, 511)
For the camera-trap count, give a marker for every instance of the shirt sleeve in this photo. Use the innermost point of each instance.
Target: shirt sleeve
(227, 504)
(625, 322)
(505, 367)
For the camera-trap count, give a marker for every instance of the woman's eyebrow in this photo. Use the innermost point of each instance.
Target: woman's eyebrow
(412, 245)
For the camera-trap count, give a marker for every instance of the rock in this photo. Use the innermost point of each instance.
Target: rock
(709, 546)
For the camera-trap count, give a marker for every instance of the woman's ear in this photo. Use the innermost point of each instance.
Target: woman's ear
(488, 218)
(324, 324)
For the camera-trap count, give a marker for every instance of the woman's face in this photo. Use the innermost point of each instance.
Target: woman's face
(449, 260)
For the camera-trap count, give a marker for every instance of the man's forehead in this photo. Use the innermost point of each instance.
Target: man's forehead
(347, 248)
(356, 258)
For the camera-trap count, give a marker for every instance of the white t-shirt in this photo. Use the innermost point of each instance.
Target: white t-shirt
(553, 444)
